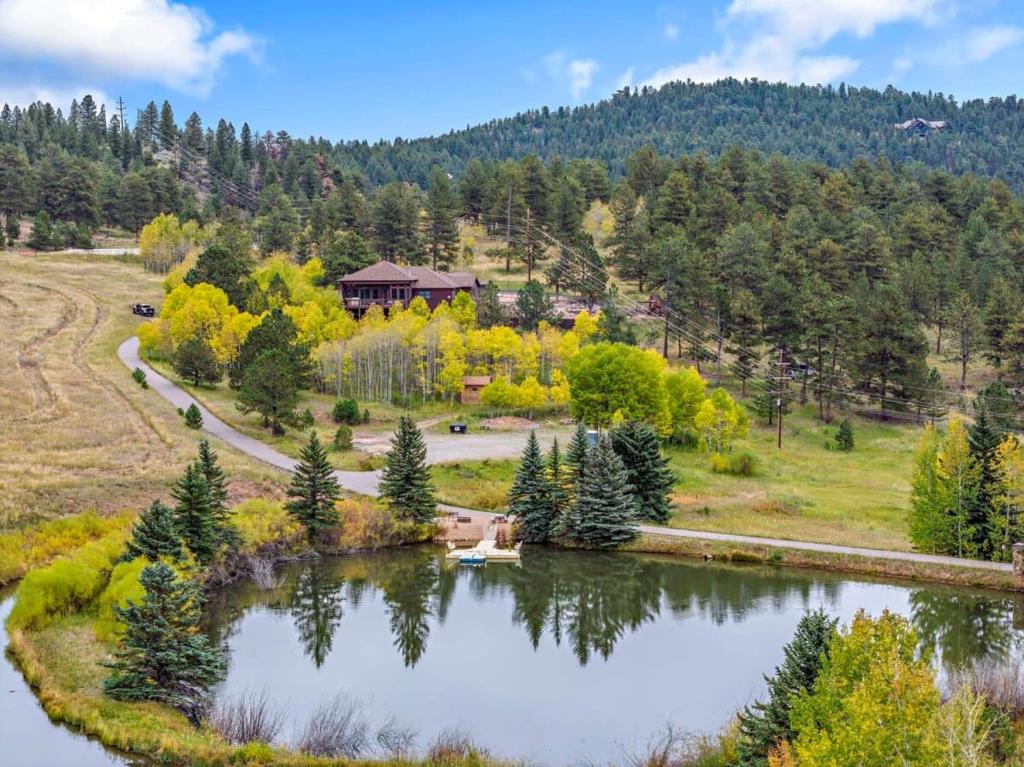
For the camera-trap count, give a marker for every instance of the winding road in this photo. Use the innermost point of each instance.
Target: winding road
(365, 482)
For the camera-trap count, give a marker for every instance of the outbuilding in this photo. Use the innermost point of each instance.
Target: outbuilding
(471, 388)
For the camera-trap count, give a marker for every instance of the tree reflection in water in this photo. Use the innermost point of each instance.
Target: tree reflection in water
(316, 604)
(589, 601)
(960, 627)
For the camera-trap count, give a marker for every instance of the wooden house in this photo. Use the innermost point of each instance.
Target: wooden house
(386, 284)
(471, 388)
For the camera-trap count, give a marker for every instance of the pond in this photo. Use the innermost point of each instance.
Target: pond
(27, 736)
(569, 657)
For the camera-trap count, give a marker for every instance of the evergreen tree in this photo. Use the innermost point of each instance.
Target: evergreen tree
(646, 469)
(561, 480)
(168, 130)
(441, 228)
(154, 534)
(216, 483)
(489, 311)
(765, 724)
(42, 236)
(984, 437)
(220, 267)
(193, 417)
(405, 480)
(576, 455)
(343, 437)
(163, 656)
(530, 497)
(195, 361)
(314, 489)
(533, 306)
(193, 518)
(1001, 310)
(844, 437)
(613, 325)
(270, 387)
(605, 513)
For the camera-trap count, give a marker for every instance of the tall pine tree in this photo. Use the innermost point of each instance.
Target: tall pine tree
(216, 483)
(764, 725)
(605, 512)
(193, 518)
(530, 498)
(314, 489)
(646, 469)
(405, 481)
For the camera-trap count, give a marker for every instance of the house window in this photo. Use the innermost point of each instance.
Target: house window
(423, 293)
(397, 294)
(364, 293)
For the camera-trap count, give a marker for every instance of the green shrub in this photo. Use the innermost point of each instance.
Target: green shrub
(844, 437)
(305, 421)
(29, 548)
(140, 377)
(741, 464)
(67, 585)
(343, 437)
(345, 411)
(260, 521)
(193, 418)
(371, 462)
(123, 586)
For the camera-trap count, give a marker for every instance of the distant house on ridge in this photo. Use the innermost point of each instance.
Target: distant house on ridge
(920, 126)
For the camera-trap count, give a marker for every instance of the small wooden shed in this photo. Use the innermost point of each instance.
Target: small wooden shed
(471, 387)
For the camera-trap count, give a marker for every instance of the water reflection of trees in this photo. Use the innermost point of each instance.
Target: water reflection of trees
(589, 601)
(960, 627)
(316, 605)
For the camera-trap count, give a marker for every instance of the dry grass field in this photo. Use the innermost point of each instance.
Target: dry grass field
(76, 432)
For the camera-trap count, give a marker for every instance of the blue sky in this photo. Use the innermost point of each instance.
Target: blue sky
(363, 70)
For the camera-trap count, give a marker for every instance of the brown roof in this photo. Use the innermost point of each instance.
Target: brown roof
(476, 380)
(463, 279)
(427, 279)
(382, 271)
(420, 276)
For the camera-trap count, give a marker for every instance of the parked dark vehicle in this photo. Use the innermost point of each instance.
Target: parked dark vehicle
(458, 428)
(143, 310)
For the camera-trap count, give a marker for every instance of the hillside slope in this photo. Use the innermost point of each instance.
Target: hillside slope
(824, 124)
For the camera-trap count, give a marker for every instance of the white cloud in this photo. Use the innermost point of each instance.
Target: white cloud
(900, 66)
(156, 40)
(671, 31)
(779, 40)
(581, 72)
(60, 98)
(985, 42)
(577, 74)
(626, 78)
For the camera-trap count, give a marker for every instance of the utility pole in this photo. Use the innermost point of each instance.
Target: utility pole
(508, 230)
(120, 112)
(778, 398)
(664, 309)
(529, 251)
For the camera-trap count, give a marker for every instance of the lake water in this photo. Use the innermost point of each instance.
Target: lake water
(27, 736)
(572, 656)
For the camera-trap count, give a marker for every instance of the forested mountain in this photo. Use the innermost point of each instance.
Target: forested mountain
(822, 124)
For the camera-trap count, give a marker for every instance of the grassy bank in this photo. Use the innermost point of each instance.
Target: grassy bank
(843, 563)
(803, 492)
